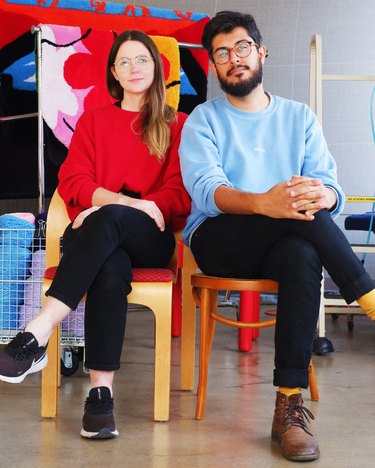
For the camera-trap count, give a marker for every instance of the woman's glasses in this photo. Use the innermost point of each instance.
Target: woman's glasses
(142, 61)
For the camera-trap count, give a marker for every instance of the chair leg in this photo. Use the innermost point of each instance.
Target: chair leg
(50, 377)
(177, 306)
(159, 300)
(188, 328)
(206, 330)
(212, 323)
(314, 392)
(211, 327)
(162, 358)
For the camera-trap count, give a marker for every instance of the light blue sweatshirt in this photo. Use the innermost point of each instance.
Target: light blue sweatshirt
(250, 151)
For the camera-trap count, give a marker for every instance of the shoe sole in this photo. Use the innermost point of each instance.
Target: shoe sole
(38, 366)
(275, 438)
(102, 434)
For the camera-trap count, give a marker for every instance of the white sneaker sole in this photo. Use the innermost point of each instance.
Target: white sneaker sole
(103, 434)
(38, 366)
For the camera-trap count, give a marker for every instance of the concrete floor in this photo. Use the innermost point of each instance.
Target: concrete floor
(236, 428)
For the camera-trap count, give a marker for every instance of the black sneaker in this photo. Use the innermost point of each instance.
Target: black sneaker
(20, 357)
(98, 421)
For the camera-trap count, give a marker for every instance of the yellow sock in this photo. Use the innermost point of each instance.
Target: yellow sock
(289, 391)
(367, 302)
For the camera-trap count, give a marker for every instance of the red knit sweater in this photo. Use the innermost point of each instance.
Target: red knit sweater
(105, 152)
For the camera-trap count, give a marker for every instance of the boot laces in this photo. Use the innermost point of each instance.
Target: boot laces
(298, 415)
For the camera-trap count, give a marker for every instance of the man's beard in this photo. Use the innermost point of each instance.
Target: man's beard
(243, 87)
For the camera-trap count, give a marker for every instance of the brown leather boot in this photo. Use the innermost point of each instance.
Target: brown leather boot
(289, 428)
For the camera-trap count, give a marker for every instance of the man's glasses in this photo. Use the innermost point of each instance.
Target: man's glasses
(141, 61)
(242, 50)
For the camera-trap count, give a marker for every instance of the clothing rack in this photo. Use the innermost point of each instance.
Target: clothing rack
(41, 176)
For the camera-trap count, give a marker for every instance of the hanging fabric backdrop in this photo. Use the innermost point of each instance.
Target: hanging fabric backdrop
(73, 80)
(18, 138)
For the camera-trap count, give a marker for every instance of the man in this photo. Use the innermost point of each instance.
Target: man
(264, 191)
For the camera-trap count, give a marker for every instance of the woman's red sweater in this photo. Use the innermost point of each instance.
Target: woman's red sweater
(105, 152)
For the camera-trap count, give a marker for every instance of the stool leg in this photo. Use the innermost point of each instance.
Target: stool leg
(314, 392)
(204, 351)
(249, 312)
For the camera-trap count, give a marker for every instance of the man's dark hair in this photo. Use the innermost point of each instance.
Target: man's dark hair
(225, 22)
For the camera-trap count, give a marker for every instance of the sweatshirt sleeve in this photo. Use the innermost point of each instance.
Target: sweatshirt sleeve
(319, 162)
(201, 164)
(171, 196)
(77, 173)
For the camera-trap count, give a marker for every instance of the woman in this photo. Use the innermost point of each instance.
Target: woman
(122, 186)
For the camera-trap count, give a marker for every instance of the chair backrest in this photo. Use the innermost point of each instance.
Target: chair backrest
(57, 220)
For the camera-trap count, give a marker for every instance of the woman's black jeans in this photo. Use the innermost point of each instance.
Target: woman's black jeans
(291, 252)
(97, 260)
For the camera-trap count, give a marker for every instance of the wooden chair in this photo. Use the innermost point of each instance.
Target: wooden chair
(151, 287)
(205, 292)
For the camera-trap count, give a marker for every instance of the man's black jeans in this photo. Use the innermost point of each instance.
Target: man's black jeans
(291, 252)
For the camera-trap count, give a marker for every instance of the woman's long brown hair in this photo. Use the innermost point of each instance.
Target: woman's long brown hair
(155, 115)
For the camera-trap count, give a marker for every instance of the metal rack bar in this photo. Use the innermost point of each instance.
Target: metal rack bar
(41, 175)
(190, 45)
(18, 117)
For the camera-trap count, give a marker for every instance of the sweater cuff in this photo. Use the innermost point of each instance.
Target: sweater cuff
(86, 193)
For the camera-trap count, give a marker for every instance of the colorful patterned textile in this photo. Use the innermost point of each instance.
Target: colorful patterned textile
(18, 175)
(73, 74)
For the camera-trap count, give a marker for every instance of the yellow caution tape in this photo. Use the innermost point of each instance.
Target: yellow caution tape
(360, 199)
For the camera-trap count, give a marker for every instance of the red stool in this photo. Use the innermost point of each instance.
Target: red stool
(249, 311)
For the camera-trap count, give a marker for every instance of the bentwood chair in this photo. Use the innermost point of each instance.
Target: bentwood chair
(205, 292)
(151, 287)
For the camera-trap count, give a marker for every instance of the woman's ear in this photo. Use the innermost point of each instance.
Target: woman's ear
(113, 70)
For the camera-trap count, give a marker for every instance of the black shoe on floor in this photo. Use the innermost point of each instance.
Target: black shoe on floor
(20, 357)
(98, 421)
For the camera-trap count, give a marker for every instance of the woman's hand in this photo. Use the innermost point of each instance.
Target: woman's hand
(150, 208)
(83, 214)
(102, 197)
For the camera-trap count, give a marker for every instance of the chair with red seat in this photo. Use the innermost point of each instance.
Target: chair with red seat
(151, 287)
